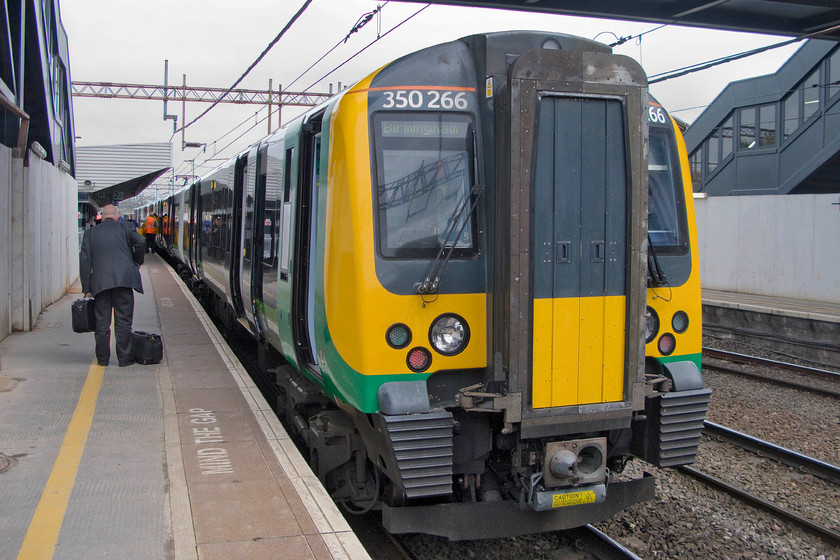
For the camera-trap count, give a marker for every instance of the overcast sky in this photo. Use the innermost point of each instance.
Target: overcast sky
(214, 41)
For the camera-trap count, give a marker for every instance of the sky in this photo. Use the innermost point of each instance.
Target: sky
(213, 42)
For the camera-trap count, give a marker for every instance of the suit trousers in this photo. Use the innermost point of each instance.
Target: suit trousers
(120, 301)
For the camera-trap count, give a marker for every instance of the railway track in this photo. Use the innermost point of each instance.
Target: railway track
(599, 544)
(586, 539)
(816, 467)
(803, 374)
(813, 466)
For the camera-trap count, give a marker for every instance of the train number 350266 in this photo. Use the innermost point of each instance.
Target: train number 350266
(432, 99)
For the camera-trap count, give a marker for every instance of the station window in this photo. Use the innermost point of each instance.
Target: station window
(713, 147)
(726, 139)
(802, 103)
(767, 125)
(747, 130)
(791, 116)
(834, 74)
(811, 94)
(695, 163)
(757, 127)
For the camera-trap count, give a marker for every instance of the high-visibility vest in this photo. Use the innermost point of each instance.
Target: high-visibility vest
(151, 225)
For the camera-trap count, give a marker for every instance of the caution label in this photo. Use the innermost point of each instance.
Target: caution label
(573, 499)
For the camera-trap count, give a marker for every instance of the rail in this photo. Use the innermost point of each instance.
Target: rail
(804, 371)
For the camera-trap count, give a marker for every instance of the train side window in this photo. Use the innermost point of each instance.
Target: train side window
(287, 215)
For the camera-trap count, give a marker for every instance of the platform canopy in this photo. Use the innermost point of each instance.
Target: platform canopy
(797, 18)
(125, 190)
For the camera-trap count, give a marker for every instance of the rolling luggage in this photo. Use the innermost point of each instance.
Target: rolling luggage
(147, 348)
(84, 318)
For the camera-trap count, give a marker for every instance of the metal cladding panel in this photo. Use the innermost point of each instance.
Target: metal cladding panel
(671, 433)
(777, 17)
(422, 452)
(104, 166)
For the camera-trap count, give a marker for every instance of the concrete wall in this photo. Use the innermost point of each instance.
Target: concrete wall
(782, 246)
(39, 248)
(5, 246)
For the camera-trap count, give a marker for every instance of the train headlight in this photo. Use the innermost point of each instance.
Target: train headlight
(449, 334)
(651, 324)
(680, 322)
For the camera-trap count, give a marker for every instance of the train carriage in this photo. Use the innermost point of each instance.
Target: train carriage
(478, 269)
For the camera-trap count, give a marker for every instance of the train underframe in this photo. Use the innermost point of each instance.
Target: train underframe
(463, 470)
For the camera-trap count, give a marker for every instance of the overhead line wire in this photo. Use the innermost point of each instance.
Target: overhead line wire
(327, 74)
(369, 45)
(723, 60)
(360, 22)
(253, 64)
(661, 77)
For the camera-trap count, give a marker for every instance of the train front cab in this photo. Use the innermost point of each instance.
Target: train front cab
(670, 432)
(567, 387)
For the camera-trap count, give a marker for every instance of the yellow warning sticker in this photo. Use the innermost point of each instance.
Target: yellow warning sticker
(573, 499)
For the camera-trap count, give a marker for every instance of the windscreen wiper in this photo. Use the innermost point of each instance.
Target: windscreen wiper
(430, 282)
(655, 275)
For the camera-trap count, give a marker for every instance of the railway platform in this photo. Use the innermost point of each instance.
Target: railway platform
(179, 460)
(802, 329)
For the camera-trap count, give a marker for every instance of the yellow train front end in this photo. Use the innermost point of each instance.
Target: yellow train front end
(504, 297)
(669, 436)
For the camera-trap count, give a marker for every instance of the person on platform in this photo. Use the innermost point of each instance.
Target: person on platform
(109, 270)
(150, 229)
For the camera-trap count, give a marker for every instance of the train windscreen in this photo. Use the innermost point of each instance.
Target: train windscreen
(423, 182)
(666, 207)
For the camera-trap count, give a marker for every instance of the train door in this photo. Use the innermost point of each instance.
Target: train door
(272, 171)
(194, 226)
(572, 218)
(579, 224)
(240, 182)
(253, 206)
(303, 300)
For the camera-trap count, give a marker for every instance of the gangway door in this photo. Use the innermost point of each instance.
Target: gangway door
(568, 290)
(579, 225)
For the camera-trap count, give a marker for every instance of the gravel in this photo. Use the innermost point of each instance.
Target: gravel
(689, 520)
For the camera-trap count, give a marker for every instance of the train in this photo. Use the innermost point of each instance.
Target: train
(473, 279)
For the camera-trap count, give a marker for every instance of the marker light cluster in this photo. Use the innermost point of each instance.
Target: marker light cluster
(448, 335)
(667, 342)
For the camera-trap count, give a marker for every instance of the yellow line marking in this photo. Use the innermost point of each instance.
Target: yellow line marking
(42, 535)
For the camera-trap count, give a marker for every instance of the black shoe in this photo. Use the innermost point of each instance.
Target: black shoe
(126, 364)
(102, 362)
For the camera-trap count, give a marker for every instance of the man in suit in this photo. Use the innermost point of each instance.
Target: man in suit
(109, 269)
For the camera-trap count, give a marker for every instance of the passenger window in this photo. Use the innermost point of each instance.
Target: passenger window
(287, 215)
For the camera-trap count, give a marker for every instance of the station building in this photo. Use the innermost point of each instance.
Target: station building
(39, 245)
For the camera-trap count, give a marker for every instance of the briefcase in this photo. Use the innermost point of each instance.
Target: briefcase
(147, 348)
(84, 317)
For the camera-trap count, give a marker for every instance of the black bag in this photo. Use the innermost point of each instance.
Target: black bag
(147, 348)
(84, 317)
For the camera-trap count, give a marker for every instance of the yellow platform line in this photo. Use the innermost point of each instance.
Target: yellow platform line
(42, 535)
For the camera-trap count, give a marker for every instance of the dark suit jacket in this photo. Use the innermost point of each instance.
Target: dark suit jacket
(110, 256)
